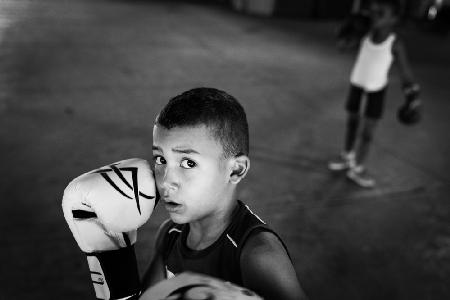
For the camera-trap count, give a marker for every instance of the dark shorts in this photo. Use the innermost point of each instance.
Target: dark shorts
(374, 104)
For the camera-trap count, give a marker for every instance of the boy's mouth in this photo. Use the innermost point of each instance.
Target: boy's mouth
(172, 206)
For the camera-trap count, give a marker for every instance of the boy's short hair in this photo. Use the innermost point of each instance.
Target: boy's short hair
(216, 109)
(394, 5)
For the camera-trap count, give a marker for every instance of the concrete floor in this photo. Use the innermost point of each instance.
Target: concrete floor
(81, 82)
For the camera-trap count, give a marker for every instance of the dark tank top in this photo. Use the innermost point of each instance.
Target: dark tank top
(222, 258)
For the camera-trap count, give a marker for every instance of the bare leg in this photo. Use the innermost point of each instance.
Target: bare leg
(366, 140)
(352, 130)
(347, 158)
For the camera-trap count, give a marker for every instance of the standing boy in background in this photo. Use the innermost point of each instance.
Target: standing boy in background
(200, 151)
(370, 76)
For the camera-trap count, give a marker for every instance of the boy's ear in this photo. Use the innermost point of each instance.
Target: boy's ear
(239, 168)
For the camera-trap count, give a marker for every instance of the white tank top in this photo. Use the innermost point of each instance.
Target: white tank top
(371, 69)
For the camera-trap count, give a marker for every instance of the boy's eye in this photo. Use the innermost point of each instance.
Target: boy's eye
(187, 164)
(159, 160)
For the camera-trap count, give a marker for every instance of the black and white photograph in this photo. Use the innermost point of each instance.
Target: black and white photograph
(225, 149)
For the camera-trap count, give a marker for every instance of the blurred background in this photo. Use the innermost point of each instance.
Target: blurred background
(81, 82)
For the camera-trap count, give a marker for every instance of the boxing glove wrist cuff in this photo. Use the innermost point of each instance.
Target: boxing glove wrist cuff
(114, 273)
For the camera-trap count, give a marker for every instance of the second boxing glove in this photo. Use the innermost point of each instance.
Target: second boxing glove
(410, 112)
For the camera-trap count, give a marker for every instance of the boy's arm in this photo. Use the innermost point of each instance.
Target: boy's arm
(156, 271)
(402, 62)
(267, 269)
(410, 112)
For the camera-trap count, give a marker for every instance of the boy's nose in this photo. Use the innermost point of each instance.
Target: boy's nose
(168, 189)
(169, 181)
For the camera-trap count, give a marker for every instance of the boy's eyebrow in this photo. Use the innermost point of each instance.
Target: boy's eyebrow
(178, 150)
(185, 150)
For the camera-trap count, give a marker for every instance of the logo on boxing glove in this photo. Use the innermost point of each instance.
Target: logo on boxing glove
(134, 186)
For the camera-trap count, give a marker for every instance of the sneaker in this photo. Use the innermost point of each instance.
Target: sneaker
(358, 174)
(345, 161)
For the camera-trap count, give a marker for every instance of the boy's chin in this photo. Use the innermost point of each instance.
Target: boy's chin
(178, 219)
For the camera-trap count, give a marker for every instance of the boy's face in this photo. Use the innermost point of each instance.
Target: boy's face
(382, 15)
(192, 175)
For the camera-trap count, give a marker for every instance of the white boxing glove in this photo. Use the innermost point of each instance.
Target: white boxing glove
(104, 208)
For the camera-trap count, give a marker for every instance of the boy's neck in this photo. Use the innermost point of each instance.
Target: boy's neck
(380, 35)
(205, 232)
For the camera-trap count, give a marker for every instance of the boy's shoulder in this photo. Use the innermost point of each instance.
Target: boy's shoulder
(255, 235)
(264, 245)
(266, 266)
